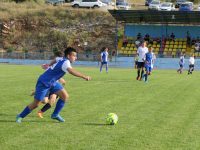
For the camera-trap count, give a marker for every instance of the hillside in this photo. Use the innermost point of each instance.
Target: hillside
(36, 27)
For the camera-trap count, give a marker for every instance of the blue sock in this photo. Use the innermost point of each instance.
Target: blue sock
(59, 106)
(25, 112)
(146, 75)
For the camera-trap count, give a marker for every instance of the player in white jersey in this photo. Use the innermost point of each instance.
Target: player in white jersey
(104, 59)
(191, 64)
(142, 50)
(48, 81)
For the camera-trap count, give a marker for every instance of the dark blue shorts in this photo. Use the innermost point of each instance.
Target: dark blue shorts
(148, 68)
(42, 91)
(104, 63)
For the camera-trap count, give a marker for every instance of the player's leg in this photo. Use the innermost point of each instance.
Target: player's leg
(27, 110)
(63, 97)
(138, 70)
(48, 105)
(189, 70)
(181, 69)
(101, 66)
(106, 67)
(142, 71)
(40, 93)
(146, 74)
(192, 69)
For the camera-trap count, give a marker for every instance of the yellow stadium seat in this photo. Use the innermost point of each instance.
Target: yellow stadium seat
(125, 52)
(128, 45)
(131, 48)
(172, 42)
(173, 53)
(134, 52)
(183, 50)
(180, 42)
(170, 49)
(135, 49)
(127, 48)
(184, 46)
(166, 46)
(175, 46)
(157, 49)
(174, 49)
(180, 46)
(132, 45)
(167, 42)
(166, 49)
(156, 53)
(171, 46)
(164, 53)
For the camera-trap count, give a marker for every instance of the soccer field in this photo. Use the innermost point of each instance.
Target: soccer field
(163, 114)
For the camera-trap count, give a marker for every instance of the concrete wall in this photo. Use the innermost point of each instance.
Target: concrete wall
(123, 62)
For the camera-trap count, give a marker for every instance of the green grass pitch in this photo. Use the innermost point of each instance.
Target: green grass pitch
(163, 114)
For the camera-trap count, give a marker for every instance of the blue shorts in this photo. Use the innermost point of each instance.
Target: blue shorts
(105, 62)
(41, 90)
(148, 68)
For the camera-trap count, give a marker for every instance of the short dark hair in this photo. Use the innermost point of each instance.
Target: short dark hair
(68, 50)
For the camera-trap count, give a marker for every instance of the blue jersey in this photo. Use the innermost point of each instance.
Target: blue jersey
(149, 59)
(55, 72)
(104, 56)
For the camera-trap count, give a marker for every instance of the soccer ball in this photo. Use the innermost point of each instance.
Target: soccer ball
(111, 119)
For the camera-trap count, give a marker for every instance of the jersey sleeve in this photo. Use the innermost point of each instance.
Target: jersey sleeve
(66, 65)
(58, 58)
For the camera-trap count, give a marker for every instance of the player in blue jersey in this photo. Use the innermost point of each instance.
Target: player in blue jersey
(181, 63)
(104, 59)
(48, 81)
(148, 59)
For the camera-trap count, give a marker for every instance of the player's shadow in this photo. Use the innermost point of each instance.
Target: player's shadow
(95, 124)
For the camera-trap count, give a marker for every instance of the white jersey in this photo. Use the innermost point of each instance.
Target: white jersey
(191, 60)
(142, 51)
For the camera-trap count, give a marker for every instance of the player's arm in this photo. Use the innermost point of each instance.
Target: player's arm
(78, 74)
(46, 66)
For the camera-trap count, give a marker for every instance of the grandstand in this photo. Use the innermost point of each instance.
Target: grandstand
(159, 25)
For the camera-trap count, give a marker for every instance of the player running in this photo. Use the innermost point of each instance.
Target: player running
(191, 64)
(142, 50)
(104, 59)
(149, 60)
(47, 81)
(181, 63)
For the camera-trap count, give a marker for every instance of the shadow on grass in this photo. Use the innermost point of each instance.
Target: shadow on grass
(96, 124)
(27, 121)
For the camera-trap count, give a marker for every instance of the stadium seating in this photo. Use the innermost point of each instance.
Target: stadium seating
(166, 48)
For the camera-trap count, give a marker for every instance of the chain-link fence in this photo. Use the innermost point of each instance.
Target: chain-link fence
(46, 56)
